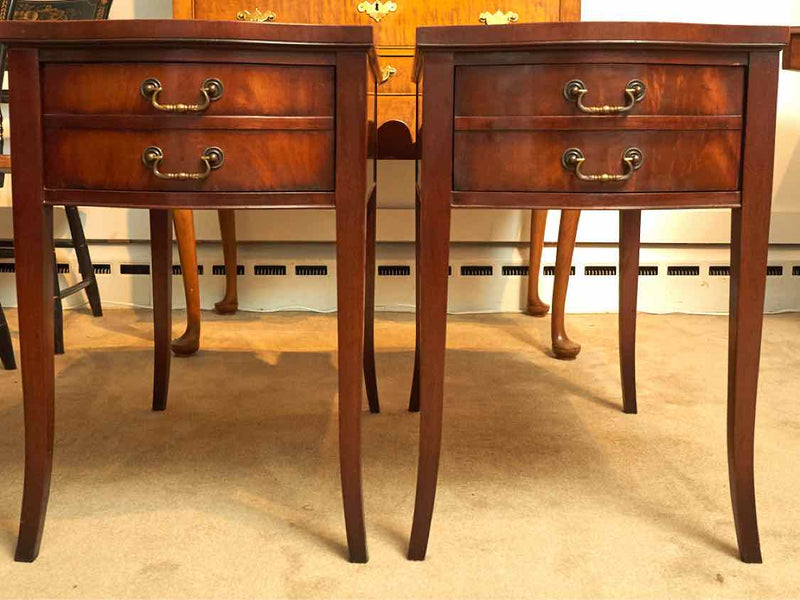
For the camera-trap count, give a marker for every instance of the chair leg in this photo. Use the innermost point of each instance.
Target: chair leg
(6, 349)
(370, 375)
(84, 259)
(227, 226)
(58, 310)
(563, 347)
(161, 249)
(536, 307)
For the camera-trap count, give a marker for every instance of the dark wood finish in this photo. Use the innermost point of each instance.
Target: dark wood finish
(189, 342)
(6, 348)
(791, 55)
(749, 197)
(536, 306)
(630, 222)
(395, 32)
(370, 373)
(349, 49)
(227, 225)
(563, 347)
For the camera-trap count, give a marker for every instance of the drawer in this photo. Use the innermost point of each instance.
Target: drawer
(111, 88)
(402, 81)
(539, 89)
(254, 161)
(531, 161)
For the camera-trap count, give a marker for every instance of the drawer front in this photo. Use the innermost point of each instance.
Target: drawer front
(253, 160)
(525, 161)
(111, 88)
(539, 89)
(402, 79)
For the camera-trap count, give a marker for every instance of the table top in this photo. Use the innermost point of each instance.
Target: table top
(683, 35)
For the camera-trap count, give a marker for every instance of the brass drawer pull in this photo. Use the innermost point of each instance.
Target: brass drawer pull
(498, 18)
(376, 9)
(211, 91)
(212, 158)
(573, 159)
(575, 90)
(257, 16)
(387, 73)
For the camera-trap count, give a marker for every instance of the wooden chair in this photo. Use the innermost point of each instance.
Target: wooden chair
(53, 10)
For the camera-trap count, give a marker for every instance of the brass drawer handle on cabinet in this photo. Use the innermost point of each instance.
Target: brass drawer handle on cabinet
(257, 16)
(575, 90)
(573, 159)
(498, 18)
(376, 9)
(211, 90)
(212, 158)
(387, 73)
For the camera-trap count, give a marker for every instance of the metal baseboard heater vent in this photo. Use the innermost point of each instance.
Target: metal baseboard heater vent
(273, 270)
(102, 268)
(7, 267)
(550, 270)
(220, 269)
(649, 271)
(310, 270)
(719, 271)
(178, 270)
(683, 271)
(515, 271)
(594, 271)
(774, 271)
(134, 269)
(796, 271)
(477, 271)
(62, 268)
(394, 271)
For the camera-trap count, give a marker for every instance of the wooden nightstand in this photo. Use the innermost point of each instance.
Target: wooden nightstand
(163, 115)
(626, 116)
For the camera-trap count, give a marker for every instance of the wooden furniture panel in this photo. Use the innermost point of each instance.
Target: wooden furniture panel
(493, 151)
(104, 164)
(539, 89)
(674, 161)
(253, 160)
(246, 89)
(791, 55)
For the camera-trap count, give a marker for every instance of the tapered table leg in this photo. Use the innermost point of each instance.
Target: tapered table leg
(189, 342)
(563, 347)
(227, 226)
(161, 274)
(413, 402)
(629, 227)
(536, 307)
(370, 374)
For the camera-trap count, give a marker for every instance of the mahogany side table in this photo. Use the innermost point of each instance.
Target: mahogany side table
(623, 116)
(162, 115)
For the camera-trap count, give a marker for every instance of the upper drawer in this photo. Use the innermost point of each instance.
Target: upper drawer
(104, 88)
(501, 90)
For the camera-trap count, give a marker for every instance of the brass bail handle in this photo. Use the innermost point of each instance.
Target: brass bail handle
(575, 90)
(211, 91)
(212, 158)
(573, 159)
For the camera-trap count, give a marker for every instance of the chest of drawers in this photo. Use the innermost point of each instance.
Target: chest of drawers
(626, 116)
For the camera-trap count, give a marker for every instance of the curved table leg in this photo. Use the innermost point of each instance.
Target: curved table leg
(413, 402)
(629, 228)
(227, 226)
(536, 307)
(563, 347)
(370, 375)
(189, 342)
(161, 274)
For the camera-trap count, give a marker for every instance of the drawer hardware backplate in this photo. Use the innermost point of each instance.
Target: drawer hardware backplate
(376, 9)
(387, 73)
(257, 16)
(573, 159)
(211, 91)
(498, 18)
(575, 90)
(212, 158)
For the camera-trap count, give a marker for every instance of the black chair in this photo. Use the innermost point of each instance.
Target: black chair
(51, 10)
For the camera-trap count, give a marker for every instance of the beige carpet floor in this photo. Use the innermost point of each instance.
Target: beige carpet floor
(547, 490)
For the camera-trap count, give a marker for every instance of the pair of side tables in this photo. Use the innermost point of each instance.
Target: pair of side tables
(572, 116)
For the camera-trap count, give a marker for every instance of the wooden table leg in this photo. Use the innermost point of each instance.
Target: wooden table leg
(629, 227)
(161, 274)
(536, 307)
(370, 375)
(563, 347)
(189, 342)
(351, 231)
(33, 244)
(434, 244)
(413, 402)
(227, 226)
(749, 248)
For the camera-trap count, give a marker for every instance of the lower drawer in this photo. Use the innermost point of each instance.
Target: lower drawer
(253, 160)
(531, 161)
